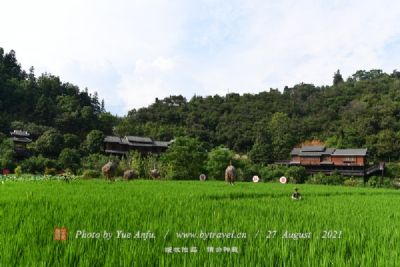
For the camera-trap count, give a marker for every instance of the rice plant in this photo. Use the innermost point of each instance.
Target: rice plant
(193, 223)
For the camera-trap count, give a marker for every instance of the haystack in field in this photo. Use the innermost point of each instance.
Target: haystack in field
(154, 173)
(129, 175)
(109, 170)
(230, 174)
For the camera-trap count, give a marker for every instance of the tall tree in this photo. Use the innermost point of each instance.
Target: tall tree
(185, 158)
(337, 78)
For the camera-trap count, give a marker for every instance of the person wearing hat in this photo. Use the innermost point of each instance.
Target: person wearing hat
(296, 195)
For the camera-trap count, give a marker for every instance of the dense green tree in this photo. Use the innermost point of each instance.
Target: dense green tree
(7, 154)
(45, 110)
(217, 161)
(385, 145)
(94, 161)
(261, 153)
(94, 141)
(185, 158)
(37, 164)
(2, 137)
(337, 78)
(69, 159)
(360, 111)
(281, 129)
(296, 174)
(49, 144)
(71, 141)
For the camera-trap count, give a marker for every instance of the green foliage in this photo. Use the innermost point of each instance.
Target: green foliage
(94, 161)
(385, 144)
(373, 181)
(320, 178)
(353, 113)
(18, 171)
(7, 154)
(34, 129)
(280, 128)
(50, 171)
(392, 170)
(38, 104)
(354, 182)
(71, 141)
(37, 164)
(272, 172)
(261, 153)
(90, 174)
(137, 163)
(151, 162)
(296, 174)
(364, 220)
(94, 142)
(376, 181)
(362, 111)
(140, 164)
(49, 144)
(337, 78)
(186, 157)
(69, 159)
(2, 137)
(246, 169)
(218, 159)
(387, 182)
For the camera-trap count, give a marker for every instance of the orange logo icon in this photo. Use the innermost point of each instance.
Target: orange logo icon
(60, 234)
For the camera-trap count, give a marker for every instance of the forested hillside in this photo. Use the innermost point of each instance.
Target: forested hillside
(40, 102)
(66, 123)
(360, 111)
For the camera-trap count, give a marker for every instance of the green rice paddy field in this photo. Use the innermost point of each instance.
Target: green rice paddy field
(193, 223)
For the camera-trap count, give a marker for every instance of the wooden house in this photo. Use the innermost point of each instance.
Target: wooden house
(21, 139)
(352, 162)
(115, 145)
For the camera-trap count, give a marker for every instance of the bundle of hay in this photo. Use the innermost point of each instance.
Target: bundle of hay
(230, 174)
(109, 169)
(155, 174)
(129, 175)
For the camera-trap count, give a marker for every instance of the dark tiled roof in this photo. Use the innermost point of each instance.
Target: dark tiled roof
(350, 152)
(21, 139)
(20, 133)
(112, 139)
(328, 151)
(312, 148)
(295, 151)
(138, 139)
(161, 144)
(317, 151)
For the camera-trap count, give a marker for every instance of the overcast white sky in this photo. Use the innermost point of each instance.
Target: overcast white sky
(131, 52)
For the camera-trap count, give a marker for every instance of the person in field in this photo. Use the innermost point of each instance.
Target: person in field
(296, 195)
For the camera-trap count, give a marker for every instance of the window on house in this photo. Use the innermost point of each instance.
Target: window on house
(350, 160)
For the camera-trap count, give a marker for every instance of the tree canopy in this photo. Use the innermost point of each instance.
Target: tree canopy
(360, 111)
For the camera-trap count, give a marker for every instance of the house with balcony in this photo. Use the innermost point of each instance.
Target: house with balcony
(348, 162)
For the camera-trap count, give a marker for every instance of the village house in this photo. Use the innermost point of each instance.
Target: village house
(114, 145)
(350, 162)
(21, 139)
